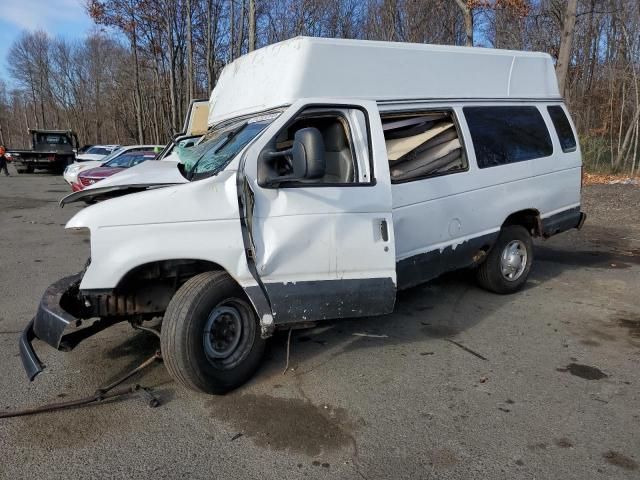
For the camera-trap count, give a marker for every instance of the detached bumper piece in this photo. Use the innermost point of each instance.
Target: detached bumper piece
(55, 325)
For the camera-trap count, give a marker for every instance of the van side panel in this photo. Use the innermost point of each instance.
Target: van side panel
(448, 222)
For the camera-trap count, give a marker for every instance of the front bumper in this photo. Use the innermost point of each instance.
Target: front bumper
(55, 325)
(49, 324)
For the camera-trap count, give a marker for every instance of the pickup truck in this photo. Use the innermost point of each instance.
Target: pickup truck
(50, 150)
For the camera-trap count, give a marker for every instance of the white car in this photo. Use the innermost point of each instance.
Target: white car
(83, 163)
(97, 152)
(322, 188)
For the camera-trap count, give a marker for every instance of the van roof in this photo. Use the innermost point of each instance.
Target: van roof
(307, 67)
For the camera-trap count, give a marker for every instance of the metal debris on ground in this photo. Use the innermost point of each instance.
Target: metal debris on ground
(466, 349)
(370, 335)
(100, 396)
(286, 366)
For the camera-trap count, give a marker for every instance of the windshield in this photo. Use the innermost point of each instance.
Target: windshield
(99, 151)
(113, 154)
(52, 139)
(129, 159)
(220, 146)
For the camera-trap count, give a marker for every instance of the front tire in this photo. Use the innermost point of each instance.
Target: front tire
(210, 336)
(508, 263)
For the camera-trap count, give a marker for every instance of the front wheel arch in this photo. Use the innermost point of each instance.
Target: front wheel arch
(179, 271)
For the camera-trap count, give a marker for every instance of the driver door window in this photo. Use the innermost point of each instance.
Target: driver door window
(346, 162)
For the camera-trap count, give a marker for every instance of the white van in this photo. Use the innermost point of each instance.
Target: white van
(334, 173)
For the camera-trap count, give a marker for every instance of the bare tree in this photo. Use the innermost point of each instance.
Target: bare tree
(252, 25)
(467, 14)
(564, 56)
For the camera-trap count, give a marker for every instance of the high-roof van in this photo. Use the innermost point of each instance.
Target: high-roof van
(334, 173)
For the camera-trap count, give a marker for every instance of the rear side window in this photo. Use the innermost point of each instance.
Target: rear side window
(563, 128)
(423, 144)
(503, 135)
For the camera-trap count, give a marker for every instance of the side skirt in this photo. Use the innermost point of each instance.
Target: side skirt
(426, 266)
(563, 221)
(296, 302)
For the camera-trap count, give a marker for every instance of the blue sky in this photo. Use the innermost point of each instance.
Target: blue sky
(57, 17)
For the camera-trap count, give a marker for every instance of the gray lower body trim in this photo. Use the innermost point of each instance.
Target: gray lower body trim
(426, 266)
(323, 300)
(563, 221)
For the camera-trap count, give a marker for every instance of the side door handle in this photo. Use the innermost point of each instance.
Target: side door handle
(384, 230)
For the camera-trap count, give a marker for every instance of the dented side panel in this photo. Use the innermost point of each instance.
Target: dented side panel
(197, 221)
(320, 250)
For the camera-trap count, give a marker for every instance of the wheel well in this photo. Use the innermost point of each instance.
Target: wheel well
(171, 272)
(529, 219)
(147, 289)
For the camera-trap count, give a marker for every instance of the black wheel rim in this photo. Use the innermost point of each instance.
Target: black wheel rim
(227, 336)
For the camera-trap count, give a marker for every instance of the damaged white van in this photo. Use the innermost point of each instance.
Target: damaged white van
(334, 173)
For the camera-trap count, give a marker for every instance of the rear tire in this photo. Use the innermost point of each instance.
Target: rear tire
(210, 336)
(508, 263)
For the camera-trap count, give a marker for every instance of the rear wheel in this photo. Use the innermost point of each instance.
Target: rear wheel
(210, 335)
(508, 263)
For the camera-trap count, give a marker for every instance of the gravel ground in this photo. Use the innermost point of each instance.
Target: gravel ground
(551, 391)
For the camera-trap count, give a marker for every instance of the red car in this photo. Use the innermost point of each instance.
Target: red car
(89, 177)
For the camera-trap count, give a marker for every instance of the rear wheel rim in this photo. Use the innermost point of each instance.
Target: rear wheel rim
(513, 260)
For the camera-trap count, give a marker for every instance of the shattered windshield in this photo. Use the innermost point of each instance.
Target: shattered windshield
(220, 146)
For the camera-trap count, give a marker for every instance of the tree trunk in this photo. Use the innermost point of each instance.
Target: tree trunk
(173, 98)
(252, 25)
(232, 32)
(240, 30)
(137, 100)
(564, 55)
(190, 72)
(467, 14)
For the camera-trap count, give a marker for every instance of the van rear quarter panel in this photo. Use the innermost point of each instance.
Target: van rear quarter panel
(437, 213)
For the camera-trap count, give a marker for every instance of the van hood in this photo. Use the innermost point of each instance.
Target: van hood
(177, 204)
(144, 176)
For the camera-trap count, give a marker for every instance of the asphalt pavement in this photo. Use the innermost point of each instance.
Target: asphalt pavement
(457, 383)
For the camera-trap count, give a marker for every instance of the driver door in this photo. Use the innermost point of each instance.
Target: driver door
(324, 247)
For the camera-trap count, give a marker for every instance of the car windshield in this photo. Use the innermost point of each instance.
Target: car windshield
(117, 152)
(129, 159)
(220, 146)
(99, 151)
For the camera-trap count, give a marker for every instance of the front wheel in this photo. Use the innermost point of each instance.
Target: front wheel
(210, 336)
(507, 266)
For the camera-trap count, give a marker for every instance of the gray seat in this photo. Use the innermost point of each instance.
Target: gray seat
(337, 154)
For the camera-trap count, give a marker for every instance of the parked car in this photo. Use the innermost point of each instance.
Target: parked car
(320, 192)
(50, 150)
(121, 162)
(83, 148)
(96, 152)
(72, 171)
